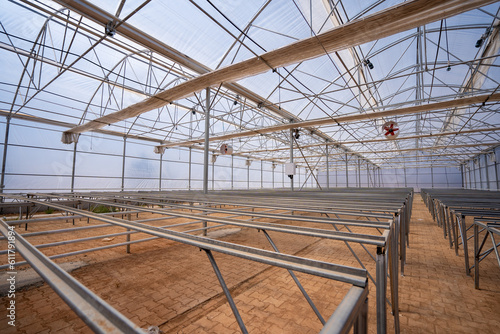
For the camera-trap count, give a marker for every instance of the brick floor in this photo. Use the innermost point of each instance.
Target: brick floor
(174, 287)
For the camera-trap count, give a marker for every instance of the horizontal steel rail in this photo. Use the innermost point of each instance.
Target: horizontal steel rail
(306, 231)
(354, 276)
(95, 312)
(310, 219)
(255, 204)
(351, 309)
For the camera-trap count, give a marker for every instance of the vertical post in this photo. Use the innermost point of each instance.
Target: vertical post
(474, 174)
(496, 171)
(476, 256)
(128, 235)
(346, 172)
(470, 177)
(273, 166)
(464, 243)
(261, 174)
(291, 156)
(359, 173)
(248, 174)
(479, 170)
(73, 168)
(189, 169)
(283, 176)
(327, 169)
(4, 161)
(161, 166)
(213, 174)
(432, 176)
(381, 290)
(487, 174)
(232, 171)
(205, 149)
(123, 161)
(462, 174)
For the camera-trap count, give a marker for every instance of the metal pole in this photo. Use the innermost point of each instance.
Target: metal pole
(205, 151)
(432, 177)
(283, 176)
(161, 166)
(479, 170)
(189, 169)
(359, 173)
(496, 172)
(346, 172)
(261, 174)
(273, 166)
(487, 174)
(291, 155)
(226, 292)
(213, 175)
(232, 171)
(462, 174)
(248, 176)
(123, 161)
(73, 168)
(381, 291)
(327, 170)
(4, 161)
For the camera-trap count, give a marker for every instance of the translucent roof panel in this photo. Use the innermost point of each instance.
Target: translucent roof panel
(60, 66)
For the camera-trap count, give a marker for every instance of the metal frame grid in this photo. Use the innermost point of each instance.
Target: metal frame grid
(450, 209)
(383, 215)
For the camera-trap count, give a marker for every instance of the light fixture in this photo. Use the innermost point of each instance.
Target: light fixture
(369, 64)
(110, 29)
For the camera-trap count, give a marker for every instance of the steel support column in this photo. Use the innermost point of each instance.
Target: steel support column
(161, 167)
(4, 160)
(346, 172)
(205, 151)
(487, 173)
(496, 172)
(291, 156)
(261, 174)
(381, 291)
(123, 161)
(73, 168)
(327, 169)
(189, 168)
(479, 170)
(432, 177)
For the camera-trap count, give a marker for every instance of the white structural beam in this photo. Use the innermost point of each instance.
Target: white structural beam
(460, 102)
(384, 23)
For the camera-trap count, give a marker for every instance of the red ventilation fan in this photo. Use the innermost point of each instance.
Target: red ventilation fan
(390, 130)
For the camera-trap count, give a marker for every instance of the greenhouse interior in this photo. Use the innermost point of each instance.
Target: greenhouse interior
(267, 166)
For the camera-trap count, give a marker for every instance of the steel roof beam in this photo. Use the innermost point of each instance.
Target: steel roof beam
(460, 102)
(384, 23)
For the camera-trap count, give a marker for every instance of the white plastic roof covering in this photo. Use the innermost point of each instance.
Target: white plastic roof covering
(106, 74)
